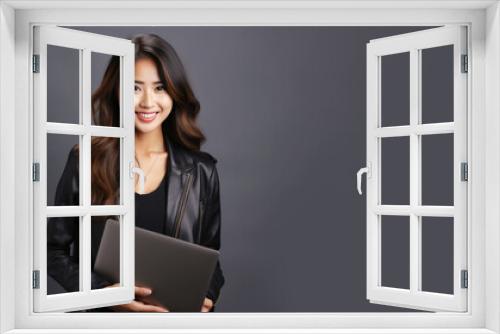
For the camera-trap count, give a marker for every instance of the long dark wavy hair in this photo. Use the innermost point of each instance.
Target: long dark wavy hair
(180, 124)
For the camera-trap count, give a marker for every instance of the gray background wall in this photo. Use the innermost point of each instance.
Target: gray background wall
(284, 111)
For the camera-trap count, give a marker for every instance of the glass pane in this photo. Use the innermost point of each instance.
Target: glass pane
(395, 89)
(395, 241)
(437, 169)
(437, 84)
(63, 274)
(105, 175)
(437, 254)
(105, 90)
(105, 236)
(62, 170)
(395, 167)
(63, 85)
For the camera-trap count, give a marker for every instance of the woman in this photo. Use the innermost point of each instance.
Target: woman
(167, 149)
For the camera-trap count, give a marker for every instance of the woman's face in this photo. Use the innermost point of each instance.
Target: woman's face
(152, 103)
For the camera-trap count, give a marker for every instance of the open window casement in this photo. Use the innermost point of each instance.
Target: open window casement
(82, 130)
(396, 240)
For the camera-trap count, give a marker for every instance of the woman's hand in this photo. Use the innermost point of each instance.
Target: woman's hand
(207, 305)
(137, 305)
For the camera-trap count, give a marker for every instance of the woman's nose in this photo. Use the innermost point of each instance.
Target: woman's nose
(147, 99)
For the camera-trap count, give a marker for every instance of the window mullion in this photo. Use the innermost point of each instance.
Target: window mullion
(85, 242)
(414, 171)
(420, 129)
(127, 149)
(420, 210)
(439, 129)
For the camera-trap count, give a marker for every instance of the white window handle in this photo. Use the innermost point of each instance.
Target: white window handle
(140, 172)
(366, 170)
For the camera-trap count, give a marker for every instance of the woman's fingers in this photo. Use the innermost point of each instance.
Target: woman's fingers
(137, 306)
(142, 291)
(207, 305)
(141, 307)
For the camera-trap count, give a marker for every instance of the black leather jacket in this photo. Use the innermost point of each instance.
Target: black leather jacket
(196, 219)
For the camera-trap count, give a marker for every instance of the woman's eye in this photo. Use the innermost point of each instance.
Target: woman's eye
(136, 88)
(160, 88)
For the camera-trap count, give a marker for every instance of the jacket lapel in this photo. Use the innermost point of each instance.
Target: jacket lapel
(178, 167)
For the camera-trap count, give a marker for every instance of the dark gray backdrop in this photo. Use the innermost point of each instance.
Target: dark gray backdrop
(284, 111)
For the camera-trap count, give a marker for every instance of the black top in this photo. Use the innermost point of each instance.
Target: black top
(150, 209)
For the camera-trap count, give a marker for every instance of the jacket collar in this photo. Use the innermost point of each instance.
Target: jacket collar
(178, 158)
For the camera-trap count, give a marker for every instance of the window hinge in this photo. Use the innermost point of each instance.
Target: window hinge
(36, 171)
(36, 279)
(465, 64)
(36, 63)
(465, 279)
(464, 174)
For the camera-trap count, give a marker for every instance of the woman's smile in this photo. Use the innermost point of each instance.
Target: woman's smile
(146, 117)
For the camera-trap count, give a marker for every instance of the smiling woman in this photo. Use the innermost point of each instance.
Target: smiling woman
(167, 148)
(151, 98)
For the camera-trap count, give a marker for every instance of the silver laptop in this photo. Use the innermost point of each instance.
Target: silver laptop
(178, 272)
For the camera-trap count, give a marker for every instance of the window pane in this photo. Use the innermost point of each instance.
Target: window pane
(395, 166)
(105, 174)
(395, 90)
(437, 84)
(106, 251)
(63, 85)
(62, 170)
(437, 169)
(63, 255)
(437, 254)
(395, 241)
(105, 94)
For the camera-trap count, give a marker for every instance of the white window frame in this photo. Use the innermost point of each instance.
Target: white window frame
(413, 44)
(483, 18)
(84, 43)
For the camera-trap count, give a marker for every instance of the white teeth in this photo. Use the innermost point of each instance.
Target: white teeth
(148, 115)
